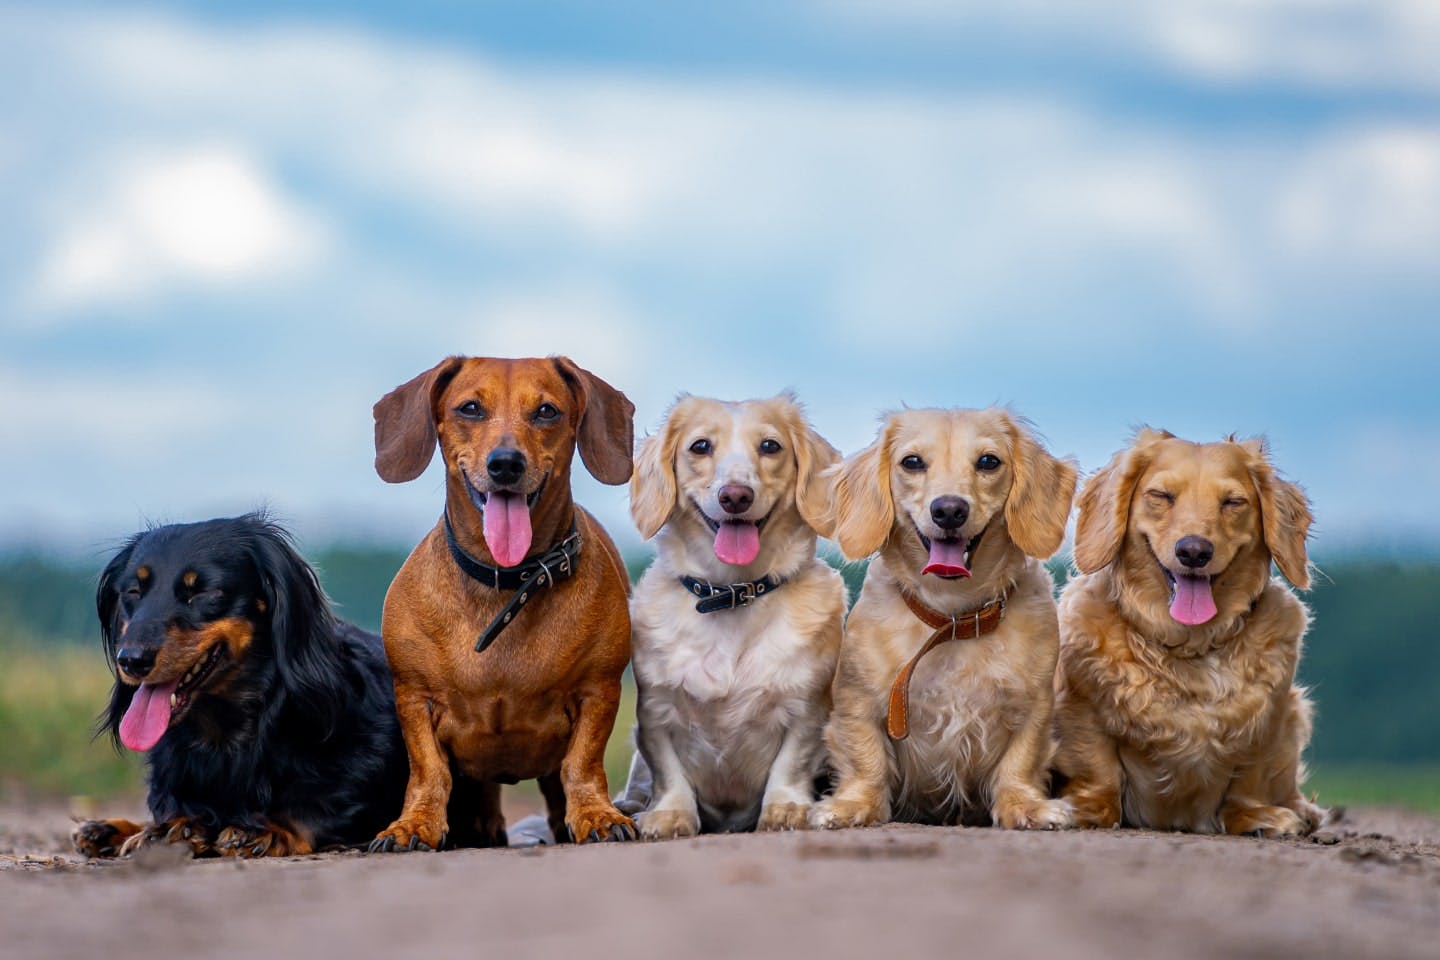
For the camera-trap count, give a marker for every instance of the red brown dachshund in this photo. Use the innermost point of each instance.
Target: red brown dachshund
(507, 629)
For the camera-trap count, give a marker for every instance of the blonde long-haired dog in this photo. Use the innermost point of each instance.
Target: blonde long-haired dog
(1177, 705)
(737, 623)
(963, 507)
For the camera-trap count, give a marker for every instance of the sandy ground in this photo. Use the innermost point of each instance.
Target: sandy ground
(1368, 886)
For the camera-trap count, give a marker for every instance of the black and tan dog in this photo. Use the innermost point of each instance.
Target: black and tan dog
(269, 725)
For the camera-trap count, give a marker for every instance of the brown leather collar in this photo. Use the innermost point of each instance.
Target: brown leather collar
(964, 626)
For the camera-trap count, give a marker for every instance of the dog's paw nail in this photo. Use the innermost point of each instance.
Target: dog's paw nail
(411, 844)
(258, 850)
(444, 840)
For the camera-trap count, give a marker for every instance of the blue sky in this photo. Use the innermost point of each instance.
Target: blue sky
(229, 228)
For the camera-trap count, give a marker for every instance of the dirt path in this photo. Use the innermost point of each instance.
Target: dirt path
(1370, 887)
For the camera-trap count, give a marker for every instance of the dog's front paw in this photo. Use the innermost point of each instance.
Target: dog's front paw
(1093, 809)
(784, 816)
(837, 813)
(600, 822)
(102, 839)
(408, 834)
(1263, 821)
(272, 841)
(1023, 812)
(177, 830)
(668, 824)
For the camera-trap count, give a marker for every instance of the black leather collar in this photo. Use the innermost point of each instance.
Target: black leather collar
(543, 571)
(728, 596)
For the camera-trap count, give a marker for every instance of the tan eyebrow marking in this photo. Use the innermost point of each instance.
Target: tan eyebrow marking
(190, 578)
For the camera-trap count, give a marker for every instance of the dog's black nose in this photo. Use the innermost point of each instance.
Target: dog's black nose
(949, 513)
(505, 465)
(136, 661)
(1194, 551)
(736, 497)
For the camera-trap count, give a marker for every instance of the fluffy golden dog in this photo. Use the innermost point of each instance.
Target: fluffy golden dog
(963, 507)
(1177, 706)
(737, 623)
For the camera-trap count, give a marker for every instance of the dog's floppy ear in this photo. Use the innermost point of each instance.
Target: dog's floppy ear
(1041, 494)
(405, 423)
(862, 506)
(1285, 516)
(302, 628)
(1105, 503)
(107, 603)
(606, 434)
(654, 491)
(813, 456)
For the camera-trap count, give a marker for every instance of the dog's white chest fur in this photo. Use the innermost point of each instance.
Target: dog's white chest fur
(965, 705)
(728, 685)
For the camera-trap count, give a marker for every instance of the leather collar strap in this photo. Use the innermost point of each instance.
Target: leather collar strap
(965, 626)
(728, 596)
(525, 579)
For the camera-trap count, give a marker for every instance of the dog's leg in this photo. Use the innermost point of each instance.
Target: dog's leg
(860, 753)
(422, 824)
(1019, 794)
(788, 797)
(271, 840)
(589, 813)
(673, 812)
(1265, 798)
(180, 830)
(1091, 762)
(102, 839)
(553, 790)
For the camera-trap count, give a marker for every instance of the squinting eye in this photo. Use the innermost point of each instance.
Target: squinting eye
(988, 462)
(1160, 496)
(770, 447)
(1233, 502)
(913, 463)
(701, 447)
(546, 412)
(471, 410)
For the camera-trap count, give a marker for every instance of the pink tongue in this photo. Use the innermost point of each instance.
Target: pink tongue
(737, 542)
(1194, 604)
(947, 559)
(148, 717)
(507, 528)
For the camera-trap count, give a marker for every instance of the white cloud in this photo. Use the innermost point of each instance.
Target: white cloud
(1371, 196)
(1326, 44)
(201, 215)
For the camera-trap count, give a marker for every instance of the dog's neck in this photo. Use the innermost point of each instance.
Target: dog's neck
(994, 570)
(685, 546)
(1141, 593)
(550, 520)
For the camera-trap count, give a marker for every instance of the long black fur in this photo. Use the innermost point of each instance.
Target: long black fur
(306, 733)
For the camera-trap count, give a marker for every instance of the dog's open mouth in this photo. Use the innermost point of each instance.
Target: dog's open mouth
(1192, 599)
(506, 521)
(950, 556)
(156, 706)
(737, 542)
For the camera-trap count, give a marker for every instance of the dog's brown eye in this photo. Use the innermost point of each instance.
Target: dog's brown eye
(770, 447)
(913, 463)
(471, 410)
(701, 447)
(1160, 496)
(988, 462)
(547, 412)
(1234, 502)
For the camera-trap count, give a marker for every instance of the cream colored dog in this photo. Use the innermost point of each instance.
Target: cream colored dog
(1177, 706)
(732, 700)
(963, 507)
